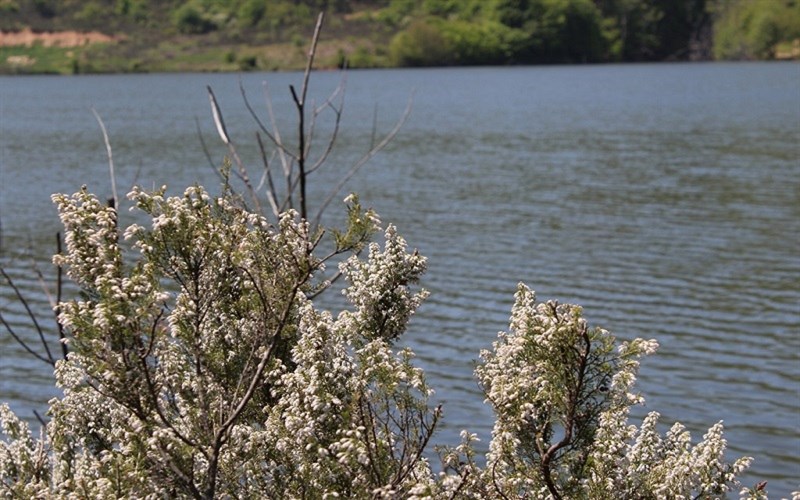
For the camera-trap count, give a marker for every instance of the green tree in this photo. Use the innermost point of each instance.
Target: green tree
(251, 12)
(631, 28)
(553, 30)
(684, 30)
(753, 29)
(423, 43)
(191, 19)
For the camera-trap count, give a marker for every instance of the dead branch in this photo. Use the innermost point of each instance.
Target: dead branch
(110, 158)
(21, 298)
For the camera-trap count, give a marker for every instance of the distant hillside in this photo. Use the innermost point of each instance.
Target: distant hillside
(236, 35)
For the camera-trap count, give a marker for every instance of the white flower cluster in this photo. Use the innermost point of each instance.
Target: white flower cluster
(562, 396)
(203, 369)
(380, 288)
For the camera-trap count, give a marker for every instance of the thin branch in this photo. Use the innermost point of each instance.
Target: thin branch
(363, 161)
(206, 151)
(422, 445)
(311, 53)
(374, 132)
(43, 285)
(570, 424)
(50, 360)
(463, 475)
(40, 419)
(300, 103)
(22, 342)
(110, 158)
(154, 398)
(497, 488)
(59, 287)
(272, 194)
(219, 122)
(287, 158)
(301, 150)
(188, 481)
(337, 111)
(274, 138)
(55, 304)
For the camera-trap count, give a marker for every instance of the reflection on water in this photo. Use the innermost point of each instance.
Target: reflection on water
(662, 198)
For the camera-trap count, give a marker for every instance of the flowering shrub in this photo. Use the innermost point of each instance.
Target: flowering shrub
(200, 366)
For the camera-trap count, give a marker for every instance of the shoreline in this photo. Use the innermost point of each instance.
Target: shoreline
(70, 52)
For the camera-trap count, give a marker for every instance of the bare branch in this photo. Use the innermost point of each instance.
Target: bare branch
(311, 53)
(223, 134)
(22, 342)
(110, 158)
(49, 359)
(219, 122)
(59, 287)
(286, 157)
(337, 110)
(363, 161)
(206, 152)
(300, 103)
(272, 194)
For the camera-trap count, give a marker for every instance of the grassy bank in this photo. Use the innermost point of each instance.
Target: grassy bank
(181, 55)
(207, 53)
(62, 46)
(112, 36)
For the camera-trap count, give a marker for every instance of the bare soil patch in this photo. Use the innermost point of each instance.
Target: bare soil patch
(28, 37)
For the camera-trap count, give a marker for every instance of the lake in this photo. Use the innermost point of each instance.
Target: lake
(665, 199)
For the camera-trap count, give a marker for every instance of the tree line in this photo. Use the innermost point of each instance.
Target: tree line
(458, 32)
(572, 31)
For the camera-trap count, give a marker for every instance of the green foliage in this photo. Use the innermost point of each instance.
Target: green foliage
(435, 42)
(9, 6)
(553, 30)
(630, 29)
(420, 33)
(421, 44)
(753, 29)
(37, 59)
(248, 63)
(251, 12)
(90, 13)
(133, 9)
(568, 30)
(191, 19)
(512, 13)
(485, 42)
(45, 8)
(537, 31)
(398, 12)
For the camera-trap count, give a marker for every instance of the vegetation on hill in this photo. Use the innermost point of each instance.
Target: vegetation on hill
(226, 35)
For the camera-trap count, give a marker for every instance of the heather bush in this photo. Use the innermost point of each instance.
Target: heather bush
(200, 367)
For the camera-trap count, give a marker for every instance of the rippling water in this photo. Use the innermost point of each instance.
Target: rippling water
(665, 199)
